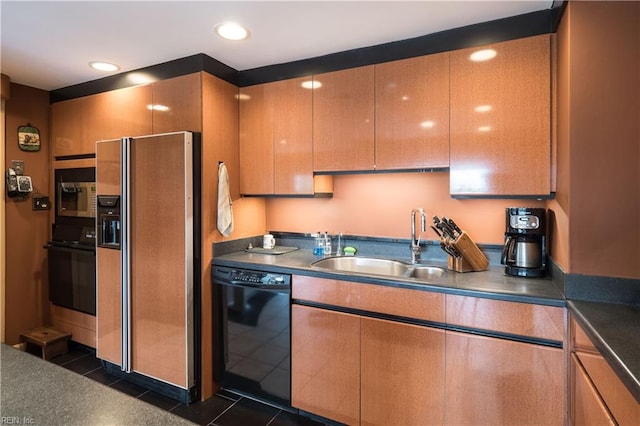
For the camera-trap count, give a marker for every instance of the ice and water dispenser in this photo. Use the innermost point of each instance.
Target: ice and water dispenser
(109, 221)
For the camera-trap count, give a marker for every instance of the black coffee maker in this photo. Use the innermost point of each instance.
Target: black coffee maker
(524, 252)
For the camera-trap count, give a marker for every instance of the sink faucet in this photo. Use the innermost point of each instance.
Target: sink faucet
(415, 242)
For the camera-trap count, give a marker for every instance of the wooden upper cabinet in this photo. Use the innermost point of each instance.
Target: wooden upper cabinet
(256, 140)
(122, 112)
(293, 137)
(177, 104)
(412, 113)
(501, 119)
(276, 139)
(70, 127)
(343, 120)
(78, 123)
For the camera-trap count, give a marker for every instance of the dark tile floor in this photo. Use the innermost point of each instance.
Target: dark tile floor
(223, 409)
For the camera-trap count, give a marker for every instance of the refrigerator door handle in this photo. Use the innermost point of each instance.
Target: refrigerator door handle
(125, 227)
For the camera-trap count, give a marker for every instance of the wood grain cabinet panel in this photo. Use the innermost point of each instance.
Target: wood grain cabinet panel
(256, 140)
(619, 401)
(524, 319)
(122, 112)
(402, 374)
(325, 363)
(276, 148)
(70, 122)
(500, 382)
(404, 302)
(343, 120)
(501, 119)
(587, 408)
(78, 123)
(177, 104)
(412, 113)
(108, 305)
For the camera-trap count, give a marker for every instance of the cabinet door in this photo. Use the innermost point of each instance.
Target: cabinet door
(501, 120)
(177, 104)
(256, 140)
(412, 113)
(343, 120)
(325, 363)
(587, 408)
(70, 122)
(402, 369)
(108, 305)
(494, 381)
(122, 112)
(292, 138)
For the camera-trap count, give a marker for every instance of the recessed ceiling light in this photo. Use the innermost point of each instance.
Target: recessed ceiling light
(103, 66)
(483, 55)
(232, 31)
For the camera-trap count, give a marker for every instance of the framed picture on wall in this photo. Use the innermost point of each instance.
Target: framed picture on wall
(28, 138)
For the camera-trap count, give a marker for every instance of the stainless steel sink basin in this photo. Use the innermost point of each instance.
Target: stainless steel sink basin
(364, 265)
(377, 266)
(427, 272)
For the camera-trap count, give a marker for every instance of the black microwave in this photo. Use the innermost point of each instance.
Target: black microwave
(75, 192)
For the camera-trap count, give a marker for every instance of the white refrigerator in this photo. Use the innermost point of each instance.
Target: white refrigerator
(148, 260)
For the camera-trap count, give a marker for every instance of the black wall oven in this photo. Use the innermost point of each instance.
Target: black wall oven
(254, 333)
(72, 250)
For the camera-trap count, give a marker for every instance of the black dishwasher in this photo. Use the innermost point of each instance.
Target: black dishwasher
(253, 332)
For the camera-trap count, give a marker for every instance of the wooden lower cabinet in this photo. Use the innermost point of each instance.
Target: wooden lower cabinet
(402, 374)
(587, 408)
(492, 381)
(597, 392)
(359, 370)
(325, 363)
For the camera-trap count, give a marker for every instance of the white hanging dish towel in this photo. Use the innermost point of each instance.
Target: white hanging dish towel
(225, 211)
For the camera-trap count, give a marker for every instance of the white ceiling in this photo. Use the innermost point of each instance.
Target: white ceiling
(48, 44)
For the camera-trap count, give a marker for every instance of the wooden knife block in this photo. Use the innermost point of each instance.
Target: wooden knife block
(472, 257)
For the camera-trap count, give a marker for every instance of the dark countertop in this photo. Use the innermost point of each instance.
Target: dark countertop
(615, 330)
(492, 283)
(37, 392)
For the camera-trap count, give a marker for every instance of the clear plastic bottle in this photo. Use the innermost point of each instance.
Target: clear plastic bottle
(318, 249)
(327, 244)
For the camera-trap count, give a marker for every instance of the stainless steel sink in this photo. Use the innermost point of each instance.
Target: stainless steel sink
(427, 272)
(378, 266)
(364, 265)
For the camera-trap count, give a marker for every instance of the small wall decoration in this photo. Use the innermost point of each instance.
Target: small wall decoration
(28, 138)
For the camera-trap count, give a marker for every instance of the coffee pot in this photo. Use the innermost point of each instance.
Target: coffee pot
(524, 251)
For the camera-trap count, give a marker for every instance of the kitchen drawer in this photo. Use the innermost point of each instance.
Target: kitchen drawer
(619, 400)
(579, 338)
(423, 305)
(523, 319)
(587, 407)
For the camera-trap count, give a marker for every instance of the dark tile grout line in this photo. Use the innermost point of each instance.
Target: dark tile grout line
(212, 422)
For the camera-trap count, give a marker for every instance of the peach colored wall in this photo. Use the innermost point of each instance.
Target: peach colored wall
(27, 293)
(380, 205)
(604, 138)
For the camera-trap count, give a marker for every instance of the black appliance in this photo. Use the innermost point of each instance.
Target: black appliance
(75, 195)
(71, 263)
(71, 256)
(254, 333)
(524, 251)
